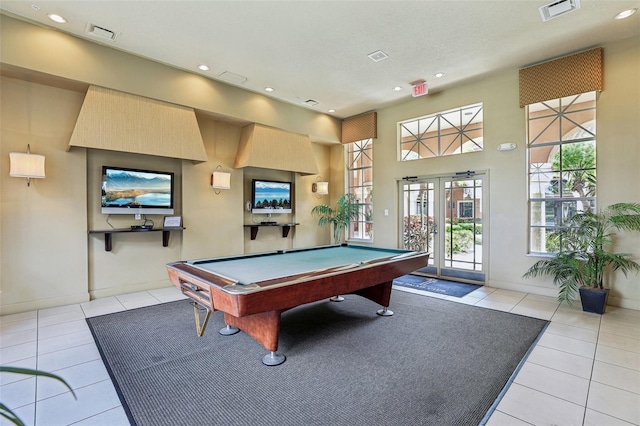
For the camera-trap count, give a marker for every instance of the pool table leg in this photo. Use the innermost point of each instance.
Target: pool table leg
(200, 327)
(380, 294)
(272, 358)
(264, 327)
(228, 330)
(384, 312)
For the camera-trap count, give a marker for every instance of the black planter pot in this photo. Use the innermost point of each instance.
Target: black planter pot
(594, 300)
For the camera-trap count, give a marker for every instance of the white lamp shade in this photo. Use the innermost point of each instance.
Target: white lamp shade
(322, 188)
(221, 180)
(26, 165)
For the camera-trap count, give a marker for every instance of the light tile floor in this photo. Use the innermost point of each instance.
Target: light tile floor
(584, 370)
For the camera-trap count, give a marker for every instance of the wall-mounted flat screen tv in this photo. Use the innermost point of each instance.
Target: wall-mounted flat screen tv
(135, 191)
(270, 197)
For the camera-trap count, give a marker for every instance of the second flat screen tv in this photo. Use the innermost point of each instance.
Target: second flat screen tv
(270, 197)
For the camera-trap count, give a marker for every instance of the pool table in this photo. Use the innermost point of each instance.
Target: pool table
(254, 289)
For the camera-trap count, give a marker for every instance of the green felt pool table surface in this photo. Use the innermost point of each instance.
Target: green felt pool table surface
(247, 269)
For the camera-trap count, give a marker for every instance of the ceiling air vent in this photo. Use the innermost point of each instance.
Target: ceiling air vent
(232, 77)
(558, 8)
(100, 32)
(310, 102)
(377, 56)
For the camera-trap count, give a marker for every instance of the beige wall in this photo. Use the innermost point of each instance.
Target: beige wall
(618, 150)
(43, 228)
(48, 259)
(618, 129)
(51, 52)
(47, 256)
(136, 261)
(212, 221)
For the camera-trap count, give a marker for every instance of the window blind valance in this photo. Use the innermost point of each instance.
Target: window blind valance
(360, 127)
(570, 75)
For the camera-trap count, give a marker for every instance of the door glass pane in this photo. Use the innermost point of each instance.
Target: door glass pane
(463, 228)
(418, 217)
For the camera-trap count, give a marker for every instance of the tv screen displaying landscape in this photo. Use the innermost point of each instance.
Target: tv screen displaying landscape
(271, 196)
(125, 189)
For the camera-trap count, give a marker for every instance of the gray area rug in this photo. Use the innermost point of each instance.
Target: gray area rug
(434, 362)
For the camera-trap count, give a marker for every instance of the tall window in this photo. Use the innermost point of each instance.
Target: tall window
(360, 183)
(446, 133)
(562, 166)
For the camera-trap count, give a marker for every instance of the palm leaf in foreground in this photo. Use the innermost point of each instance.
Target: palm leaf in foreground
(5, 411)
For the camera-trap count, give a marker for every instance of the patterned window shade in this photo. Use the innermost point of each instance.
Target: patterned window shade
(361, 127)
(571, 75)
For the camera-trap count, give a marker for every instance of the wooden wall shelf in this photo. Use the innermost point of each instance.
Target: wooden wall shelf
(285, 228)
(108, 232)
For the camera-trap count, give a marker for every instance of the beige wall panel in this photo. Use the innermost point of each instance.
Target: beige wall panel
(309, 234)
(213, 222)
(137, 260)
(618, 151)
(40, 49)
(43, 226)
(337, 183)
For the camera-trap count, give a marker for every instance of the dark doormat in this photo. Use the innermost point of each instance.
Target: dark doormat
(448, 288)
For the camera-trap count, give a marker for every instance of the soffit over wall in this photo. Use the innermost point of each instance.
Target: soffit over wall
(119, 121)
(271, 148)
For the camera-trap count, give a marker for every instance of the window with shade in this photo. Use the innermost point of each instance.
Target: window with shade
(562, 166)
(360, 183)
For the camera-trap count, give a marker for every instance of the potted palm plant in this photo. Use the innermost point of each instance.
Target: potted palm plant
(586, 253)
(346, 210)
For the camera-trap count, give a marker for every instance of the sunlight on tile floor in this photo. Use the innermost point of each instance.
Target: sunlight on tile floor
(584, 370)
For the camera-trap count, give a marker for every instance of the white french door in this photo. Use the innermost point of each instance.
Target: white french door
(444, 216)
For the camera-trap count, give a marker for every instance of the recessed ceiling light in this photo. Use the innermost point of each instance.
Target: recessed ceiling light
(331, 110)
(397, 89)
(57, 18)
(269, 89)
(203, 67)
(439, 75)
(626, 13)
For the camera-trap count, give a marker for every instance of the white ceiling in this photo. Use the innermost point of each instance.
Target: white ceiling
(318, 49)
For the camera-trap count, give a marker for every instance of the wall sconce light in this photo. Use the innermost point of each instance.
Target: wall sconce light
(26, 165)
(220, 180)
(319, 187)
